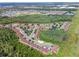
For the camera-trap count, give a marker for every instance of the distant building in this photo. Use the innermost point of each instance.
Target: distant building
(8, 13)
(69, 13)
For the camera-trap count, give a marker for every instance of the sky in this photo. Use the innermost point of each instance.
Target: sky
(39, 0)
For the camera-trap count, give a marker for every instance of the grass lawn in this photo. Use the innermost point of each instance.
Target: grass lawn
(36, 18)
(53, 36)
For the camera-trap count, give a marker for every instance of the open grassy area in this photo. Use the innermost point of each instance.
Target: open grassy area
(36, 18)
(74, 26)
(53, 36)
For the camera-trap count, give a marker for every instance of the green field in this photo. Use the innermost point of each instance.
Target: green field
(53, 36)
(35, 18)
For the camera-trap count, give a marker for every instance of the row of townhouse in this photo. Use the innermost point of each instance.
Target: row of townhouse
(36, 44)
(60, 25)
